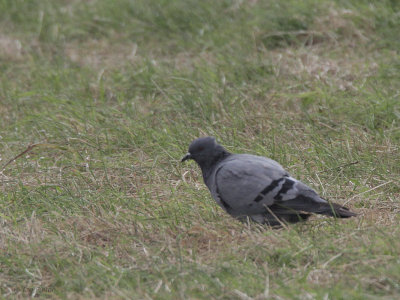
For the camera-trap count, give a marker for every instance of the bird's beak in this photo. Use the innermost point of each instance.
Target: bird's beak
(186, 157)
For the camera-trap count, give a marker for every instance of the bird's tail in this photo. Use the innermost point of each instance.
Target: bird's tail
(334, 210)
(315, 205)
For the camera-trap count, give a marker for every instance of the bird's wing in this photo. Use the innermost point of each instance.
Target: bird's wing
(245, 184)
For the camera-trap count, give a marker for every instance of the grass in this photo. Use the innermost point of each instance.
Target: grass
(106, 98)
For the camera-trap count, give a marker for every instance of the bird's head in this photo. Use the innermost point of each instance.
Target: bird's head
(205, 151)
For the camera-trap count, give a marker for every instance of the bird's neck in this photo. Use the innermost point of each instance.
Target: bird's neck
(207, 167)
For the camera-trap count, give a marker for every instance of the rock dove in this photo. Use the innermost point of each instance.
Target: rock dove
(258, 188)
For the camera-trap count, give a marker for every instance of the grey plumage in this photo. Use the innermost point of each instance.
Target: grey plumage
(255, 187)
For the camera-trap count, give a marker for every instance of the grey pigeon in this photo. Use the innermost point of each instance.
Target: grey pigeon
(258, 188)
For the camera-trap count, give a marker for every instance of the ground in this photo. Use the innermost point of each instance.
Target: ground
(100, 99)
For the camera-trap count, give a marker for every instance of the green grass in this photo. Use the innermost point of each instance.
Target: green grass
(111, 94)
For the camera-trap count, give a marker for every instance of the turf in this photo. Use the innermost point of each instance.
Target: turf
(100, 99)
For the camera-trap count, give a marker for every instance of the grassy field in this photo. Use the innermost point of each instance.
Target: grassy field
(100, 99)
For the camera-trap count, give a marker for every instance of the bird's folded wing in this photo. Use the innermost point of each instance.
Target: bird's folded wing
(246, 184)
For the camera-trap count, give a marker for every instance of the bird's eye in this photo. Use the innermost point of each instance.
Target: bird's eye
(200, 149)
